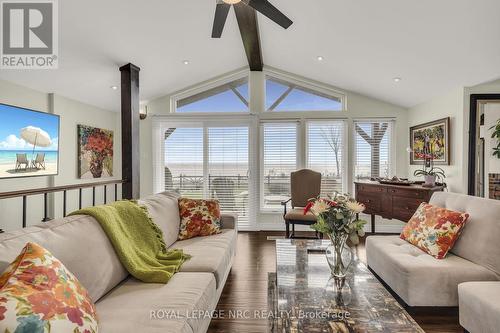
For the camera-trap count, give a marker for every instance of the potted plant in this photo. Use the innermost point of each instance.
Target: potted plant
(431, 175)
(430, 172)
(496, 135)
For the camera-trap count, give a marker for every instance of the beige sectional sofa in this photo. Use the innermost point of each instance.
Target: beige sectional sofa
(422, 280)
(123, 303)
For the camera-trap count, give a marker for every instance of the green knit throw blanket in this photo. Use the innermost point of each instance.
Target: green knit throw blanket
(137, 240)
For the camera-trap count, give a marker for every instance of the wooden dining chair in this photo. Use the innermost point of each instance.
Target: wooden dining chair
(305, 184)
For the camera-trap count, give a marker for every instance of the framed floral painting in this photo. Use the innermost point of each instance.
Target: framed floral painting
(431, 140)
(95, 152)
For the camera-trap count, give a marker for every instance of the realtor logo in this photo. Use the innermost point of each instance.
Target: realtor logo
(29, 34)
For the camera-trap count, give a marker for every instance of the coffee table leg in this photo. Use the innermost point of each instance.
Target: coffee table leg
(287, 229)
(373, 223)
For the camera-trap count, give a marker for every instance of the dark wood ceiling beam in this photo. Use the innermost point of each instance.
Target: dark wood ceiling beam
(249, 30)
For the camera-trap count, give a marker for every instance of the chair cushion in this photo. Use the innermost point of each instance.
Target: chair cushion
(479, 306)
(37, 293)
(79, 243)
(164, 211)
(434, 229)
(199, 217)
(418, 278)
(482, 229)
(297, 214)
(210, 254)
(135, 306)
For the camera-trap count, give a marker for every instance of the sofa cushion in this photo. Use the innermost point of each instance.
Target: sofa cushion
(164, 211)
(482, 229)
(418, 278)
(177, 306)
(38, 291)
(434, 229)
(199, 217)
(79, 243)
(479, 306)
(211, 254)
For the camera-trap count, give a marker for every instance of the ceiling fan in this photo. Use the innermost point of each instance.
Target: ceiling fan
(262, 6)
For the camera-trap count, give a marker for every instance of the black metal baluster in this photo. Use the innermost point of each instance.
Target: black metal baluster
(116, 192)
(105, 194)
(80, 198)
(45, 208)
(93, 196)
(24, 211)
(64, 203)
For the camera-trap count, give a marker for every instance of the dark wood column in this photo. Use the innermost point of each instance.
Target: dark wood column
(130, 131)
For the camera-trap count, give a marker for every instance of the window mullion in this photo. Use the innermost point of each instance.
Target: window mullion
(206, 179)
(301, 144)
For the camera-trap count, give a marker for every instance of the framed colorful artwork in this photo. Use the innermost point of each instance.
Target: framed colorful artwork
(433, 139)
(95, 152)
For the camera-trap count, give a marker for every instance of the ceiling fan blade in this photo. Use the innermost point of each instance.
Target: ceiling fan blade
(221, 12)
(266, 8)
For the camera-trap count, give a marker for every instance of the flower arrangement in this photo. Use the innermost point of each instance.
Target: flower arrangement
(336, 217)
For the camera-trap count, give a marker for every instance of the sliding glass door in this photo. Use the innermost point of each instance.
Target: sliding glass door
(212, 162)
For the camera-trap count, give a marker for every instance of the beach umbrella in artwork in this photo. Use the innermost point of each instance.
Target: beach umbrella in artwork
(36, 136)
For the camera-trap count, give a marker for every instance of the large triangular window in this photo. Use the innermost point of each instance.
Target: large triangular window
(283, 95)
(232, 96)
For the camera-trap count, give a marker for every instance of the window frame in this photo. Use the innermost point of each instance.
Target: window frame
(200, 88)
(298, 160)
(163, 123)
(301, 152)
(307, 84)
(344, 150)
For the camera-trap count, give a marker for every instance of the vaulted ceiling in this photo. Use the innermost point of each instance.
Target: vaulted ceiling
(434, 46)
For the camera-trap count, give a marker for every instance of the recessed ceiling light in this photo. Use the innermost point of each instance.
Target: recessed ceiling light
(397, 79)
(320, 58)
(114, 87)
(185, 62)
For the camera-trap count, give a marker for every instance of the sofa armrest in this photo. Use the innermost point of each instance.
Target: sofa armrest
(229, 221)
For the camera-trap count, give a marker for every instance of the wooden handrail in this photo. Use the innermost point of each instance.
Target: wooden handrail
(24, 194)
(30, 192)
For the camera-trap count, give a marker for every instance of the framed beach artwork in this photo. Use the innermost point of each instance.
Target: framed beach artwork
(95, 152)
(29, 142)
(431, 138)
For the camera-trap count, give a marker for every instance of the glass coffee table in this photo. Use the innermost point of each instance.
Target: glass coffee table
(303, 300)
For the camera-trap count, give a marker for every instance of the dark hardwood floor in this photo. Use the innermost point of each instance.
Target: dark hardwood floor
(246, 290)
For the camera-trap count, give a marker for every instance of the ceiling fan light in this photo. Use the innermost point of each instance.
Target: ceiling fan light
(231, 2)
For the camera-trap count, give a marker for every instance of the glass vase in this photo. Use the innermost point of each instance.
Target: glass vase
(339, 292)
(339, 256)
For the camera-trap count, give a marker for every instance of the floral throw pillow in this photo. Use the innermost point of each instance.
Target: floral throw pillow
(434, 229)
(39, 295)
(198, 218)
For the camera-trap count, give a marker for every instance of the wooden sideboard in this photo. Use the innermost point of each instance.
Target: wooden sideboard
(392, 201)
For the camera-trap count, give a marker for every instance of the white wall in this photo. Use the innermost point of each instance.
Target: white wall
(72, 113)
(449, 105)
(358, 106)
